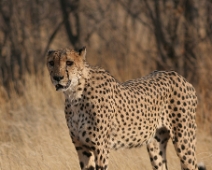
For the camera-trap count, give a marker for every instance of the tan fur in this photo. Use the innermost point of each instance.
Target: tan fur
(103, 114)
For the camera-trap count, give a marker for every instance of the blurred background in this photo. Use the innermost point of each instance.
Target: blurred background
(129, 38)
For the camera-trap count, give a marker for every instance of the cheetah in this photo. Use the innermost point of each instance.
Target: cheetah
(103, 114)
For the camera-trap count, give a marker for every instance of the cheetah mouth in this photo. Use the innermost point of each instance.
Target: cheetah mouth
(61, 87)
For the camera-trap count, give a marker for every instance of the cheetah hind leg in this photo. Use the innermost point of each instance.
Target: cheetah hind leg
(157, 149)
(185, 149)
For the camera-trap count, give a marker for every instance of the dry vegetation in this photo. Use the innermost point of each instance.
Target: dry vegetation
(124, 40)
(33, 135)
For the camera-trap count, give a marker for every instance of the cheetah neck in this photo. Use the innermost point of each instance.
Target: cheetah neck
(77, 85)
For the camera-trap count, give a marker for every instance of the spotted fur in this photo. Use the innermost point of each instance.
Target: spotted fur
(103, 114)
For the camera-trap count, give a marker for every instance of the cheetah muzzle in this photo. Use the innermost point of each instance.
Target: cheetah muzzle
(61, 87)
(103, 114)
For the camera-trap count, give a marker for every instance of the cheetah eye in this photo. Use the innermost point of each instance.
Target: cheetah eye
(51, 63)
(69, 63)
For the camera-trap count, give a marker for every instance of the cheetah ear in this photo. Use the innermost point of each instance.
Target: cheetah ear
(50, 52)
(82, 52)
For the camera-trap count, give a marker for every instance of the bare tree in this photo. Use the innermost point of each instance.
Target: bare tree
(174, 25)
(71, 17)
(110, 28)
(21, 41)
(208, 23)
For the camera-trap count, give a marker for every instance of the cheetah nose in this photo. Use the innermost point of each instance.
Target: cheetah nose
(58, 78)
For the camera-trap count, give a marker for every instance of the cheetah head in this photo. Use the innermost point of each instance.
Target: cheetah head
(65, 67)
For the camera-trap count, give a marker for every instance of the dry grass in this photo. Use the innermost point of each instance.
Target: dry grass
(33, 135)
(204, 89)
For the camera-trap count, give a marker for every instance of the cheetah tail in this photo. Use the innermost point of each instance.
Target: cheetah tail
(201, 166)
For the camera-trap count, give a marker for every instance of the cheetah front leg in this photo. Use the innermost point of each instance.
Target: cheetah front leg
(101, 158)
(86, 157)
(92, 158)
